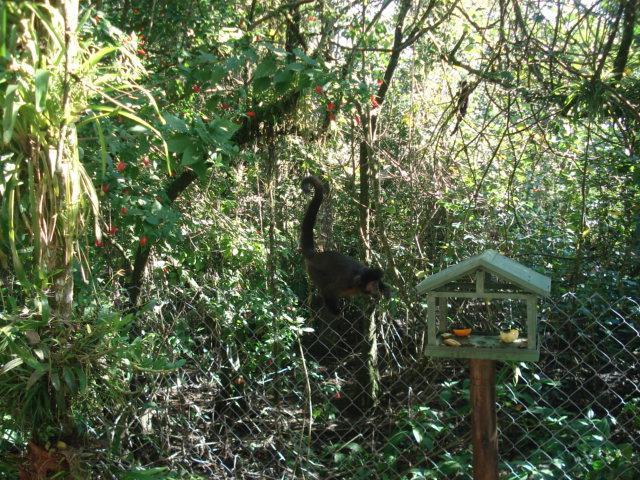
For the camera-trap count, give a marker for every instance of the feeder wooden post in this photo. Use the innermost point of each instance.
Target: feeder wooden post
(484, 431)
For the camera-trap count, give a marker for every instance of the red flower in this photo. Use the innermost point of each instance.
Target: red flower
(123, 210)
(126, 191)
(105, 188)
(120, 166)
(141, 52)
(98, 243)
(225, 106)
(337, 395)
(143, 241)
(380, 81)
(374, 101)
(112, 230)
(319, 89)
(251, 114)
(357, 118)
(145, 161)
(331, 106)
(196, 88)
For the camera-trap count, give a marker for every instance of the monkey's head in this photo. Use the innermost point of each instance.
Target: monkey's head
(370, 282)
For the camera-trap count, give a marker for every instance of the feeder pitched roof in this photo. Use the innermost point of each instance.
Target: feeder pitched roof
(499, 265)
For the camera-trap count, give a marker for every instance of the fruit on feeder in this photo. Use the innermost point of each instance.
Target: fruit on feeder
(450, 342)
(509, 336)
(462, 332)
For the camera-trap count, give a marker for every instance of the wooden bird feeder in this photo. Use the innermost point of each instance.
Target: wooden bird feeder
(490, 280)
(486, 279)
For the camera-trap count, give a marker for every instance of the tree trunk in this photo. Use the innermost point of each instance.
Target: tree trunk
(58, 255)
(364, 197)
(368, 374)
(370, 380)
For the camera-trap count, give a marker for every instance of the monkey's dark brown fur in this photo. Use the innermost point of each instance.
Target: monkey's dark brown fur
(335, 275)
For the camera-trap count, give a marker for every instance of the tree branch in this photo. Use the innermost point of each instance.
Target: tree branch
(620, 62)
(246, 134)
(286, 7)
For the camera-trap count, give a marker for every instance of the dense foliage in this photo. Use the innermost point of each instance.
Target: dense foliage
(152, 296)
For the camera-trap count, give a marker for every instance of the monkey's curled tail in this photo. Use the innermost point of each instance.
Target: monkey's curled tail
(306, 238)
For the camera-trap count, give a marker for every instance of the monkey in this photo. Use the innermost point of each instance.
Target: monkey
(335, 275)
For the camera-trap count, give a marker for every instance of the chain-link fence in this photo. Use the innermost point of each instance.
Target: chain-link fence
(339, 403)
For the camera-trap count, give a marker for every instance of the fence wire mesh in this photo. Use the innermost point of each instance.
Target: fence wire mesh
(309, 410)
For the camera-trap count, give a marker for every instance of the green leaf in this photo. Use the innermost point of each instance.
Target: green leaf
(201, 169)
(223, 129)
(152, 219)
(305, 81)
(55, 380)
(157, 473)
(175, 124)
(179, 363)
(261, 84)
(417, 435)
(96, 57)
(303, 56)
(70, 379)
(83, 19)
(44, 18)
(283, 76)
(10, 365)
(202, 131)
(10, 195)
(216, 74)
(283, 80)
(138, 129)
(296, 66)
(233, 64)
(189, 156)
(201, 75)
(3, 30)
(35, 376)
(12, 105)
(82, 379)
(266, 67)
(42, 86)
(179, 143)
(205, 57)
(42, 304)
